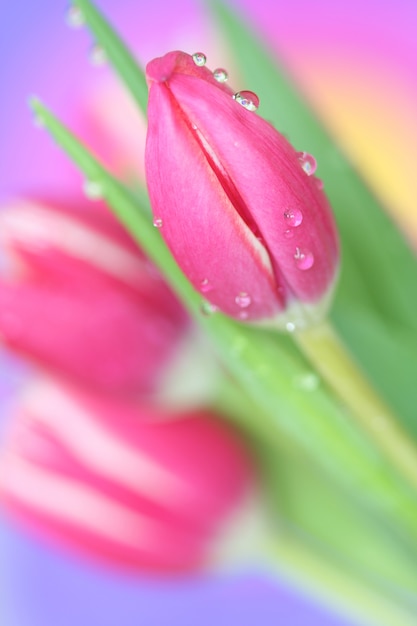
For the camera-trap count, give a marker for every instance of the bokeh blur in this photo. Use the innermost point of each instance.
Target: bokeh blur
(356, 62)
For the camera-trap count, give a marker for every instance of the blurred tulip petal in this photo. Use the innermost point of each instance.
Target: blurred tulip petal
(121, 482)
(82, 298)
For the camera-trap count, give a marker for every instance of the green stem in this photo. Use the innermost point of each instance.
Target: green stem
(331, 359)
(297, 492)
(334, 588)
(266, 366)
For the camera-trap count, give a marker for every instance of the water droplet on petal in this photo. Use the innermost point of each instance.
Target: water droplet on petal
(97, 55)
(207, 308)
(199, 59)
(205, 285)
(293, 217)
(319, 183)
(75, 17)
(247, 99)
(93, 189)
(194, 126)
(158, 223)
(220, 75)
(308, 162)
(243, 315)
(243, 299)
(289, 233)
(290, 326)
(303, 258)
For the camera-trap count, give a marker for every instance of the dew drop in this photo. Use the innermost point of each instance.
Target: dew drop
(38, 120)
(93, 189)
(199, 59)
(293, 217)
(97, 55)
(158, 223)
(289, 233)
(319, 183)
(207, 308)
(308, 162)
(247, 99)
(243, 300)
(307, 382)
(75, 17)
(290, 327)
(303, 258)
(194, 126)
(205, 285)
(220, 75)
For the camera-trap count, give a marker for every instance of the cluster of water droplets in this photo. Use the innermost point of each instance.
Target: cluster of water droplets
(76, 19)
(304, 259)
(243, 301)
(247, 99)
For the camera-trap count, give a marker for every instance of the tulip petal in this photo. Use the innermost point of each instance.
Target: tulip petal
(84, 300)
(219, 170)
(118, 481)
(199, 222)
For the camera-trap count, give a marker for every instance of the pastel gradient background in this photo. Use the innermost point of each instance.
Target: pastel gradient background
(356, 62)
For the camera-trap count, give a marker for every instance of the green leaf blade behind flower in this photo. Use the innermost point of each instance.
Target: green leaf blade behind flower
(379, 271)
(268, 367)
(116, 51)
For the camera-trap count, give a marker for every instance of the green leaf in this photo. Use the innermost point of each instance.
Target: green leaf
(267, 366)
(335, 525)
(379, 271)
(116, 51)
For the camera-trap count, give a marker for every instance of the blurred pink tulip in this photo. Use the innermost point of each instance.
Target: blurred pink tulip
(119, 482)
(240, 209)
(78, 296)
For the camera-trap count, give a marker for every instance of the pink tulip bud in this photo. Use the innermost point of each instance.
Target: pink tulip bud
(119, 482)
(78, 296)
(240, 209)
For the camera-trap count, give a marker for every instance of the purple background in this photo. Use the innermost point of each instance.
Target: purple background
(39, 54)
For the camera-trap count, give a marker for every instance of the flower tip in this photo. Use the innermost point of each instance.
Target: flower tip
(160, 69)
(270, 222)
